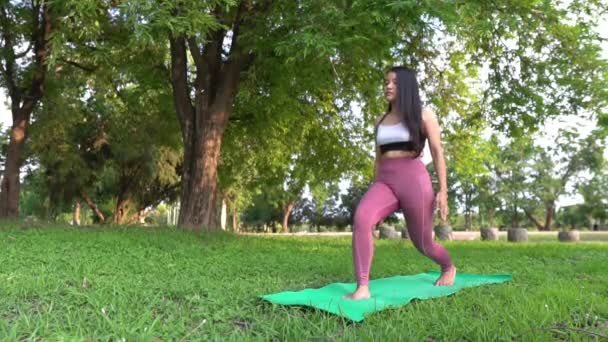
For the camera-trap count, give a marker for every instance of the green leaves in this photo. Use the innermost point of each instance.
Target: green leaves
(507, 66)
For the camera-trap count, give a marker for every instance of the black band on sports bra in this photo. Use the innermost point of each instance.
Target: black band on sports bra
(397, 146)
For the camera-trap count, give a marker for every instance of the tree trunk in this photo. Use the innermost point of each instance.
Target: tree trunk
(23, 98)
(122, 208)
(10, 188)
(533, 219)
(549, 216)
(76, 219)
(199, 184)
(515, 218)
(467, 224)
(202, 131)
(286, 213)
(93, 207)
(275, 226)
(513, 224)
(235, 221)
(491, 217)
(204, 118)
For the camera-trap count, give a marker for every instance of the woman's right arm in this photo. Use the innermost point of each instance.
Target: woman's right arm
(376, 163)
(377, 157)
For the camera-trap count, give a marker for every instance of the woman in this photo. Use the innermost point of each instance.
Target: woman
(402, 181)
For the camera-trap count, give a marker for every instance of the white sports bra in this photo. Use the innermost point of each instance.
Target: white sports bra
(388, 134)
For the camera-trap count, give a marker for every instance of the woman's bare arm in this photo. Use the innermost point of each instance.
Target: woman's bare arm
(433, 132)
(377, 158)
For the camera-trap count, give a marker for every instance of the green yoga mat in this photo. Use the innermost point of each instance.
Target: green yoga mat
(386, 293)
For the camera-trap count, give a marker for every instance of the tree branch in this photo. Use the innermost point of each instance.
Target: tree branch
(211, 65)
(22, 54)
(35, 20)
(570, 169)
(8, 70)
(92, 205)
(179, 80)
(196, 56)
(41, 54)
(239, 60)
(533, 219)
(79, 66)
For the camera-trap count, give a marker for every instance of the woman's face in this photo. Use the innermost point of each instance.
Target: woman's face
(390, 86)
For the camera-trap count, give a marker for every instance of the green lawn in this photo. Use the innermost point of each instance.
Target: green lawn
(161, 284)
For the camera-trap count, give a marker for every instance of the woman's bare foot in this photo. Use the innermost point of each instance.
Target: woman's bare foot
(362, 292)
(447, 277)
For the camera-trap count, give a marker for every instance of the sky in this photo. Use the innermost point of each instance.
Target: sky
(550, 126)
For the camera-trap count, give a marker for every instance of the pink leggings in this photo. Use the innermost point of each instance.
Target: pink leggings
(403, 183)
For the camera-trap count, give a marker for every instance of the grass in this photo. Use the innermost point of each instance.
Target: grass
(58, 283)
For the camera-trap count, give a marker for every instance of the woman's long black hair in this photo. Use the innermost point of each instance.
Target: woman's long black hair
(409, 105)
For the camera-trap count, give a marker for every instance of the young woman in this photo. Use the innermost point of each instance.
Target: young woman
(402, 181)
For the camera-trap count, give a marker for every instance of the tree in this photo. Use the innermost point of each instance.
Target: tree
(261, 37)
(303, 211)
(262, 213)
(36, 35)
(258, 47)
(228, 55)
(595, 195)
(107, 126)
(106, 130)
(26, 33)
(469, 157)
(572, 217)
(487, 201)
(312, 140)
(553, 168)
(544, 60)
(511, 176)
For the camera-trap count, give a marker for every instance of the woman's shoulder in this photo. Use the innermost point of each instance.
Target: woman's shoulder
(428, 113)
(379, 119)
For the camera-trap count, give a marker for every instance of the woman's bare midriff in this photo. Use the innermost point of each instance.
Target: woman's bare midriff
(397, 154)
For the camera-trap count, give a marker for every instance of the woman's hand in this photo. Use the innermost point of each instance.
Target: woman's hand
(442, 204)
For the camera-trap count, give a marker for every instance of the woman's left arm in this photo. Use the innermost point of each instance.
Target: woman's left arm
(433, 132)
